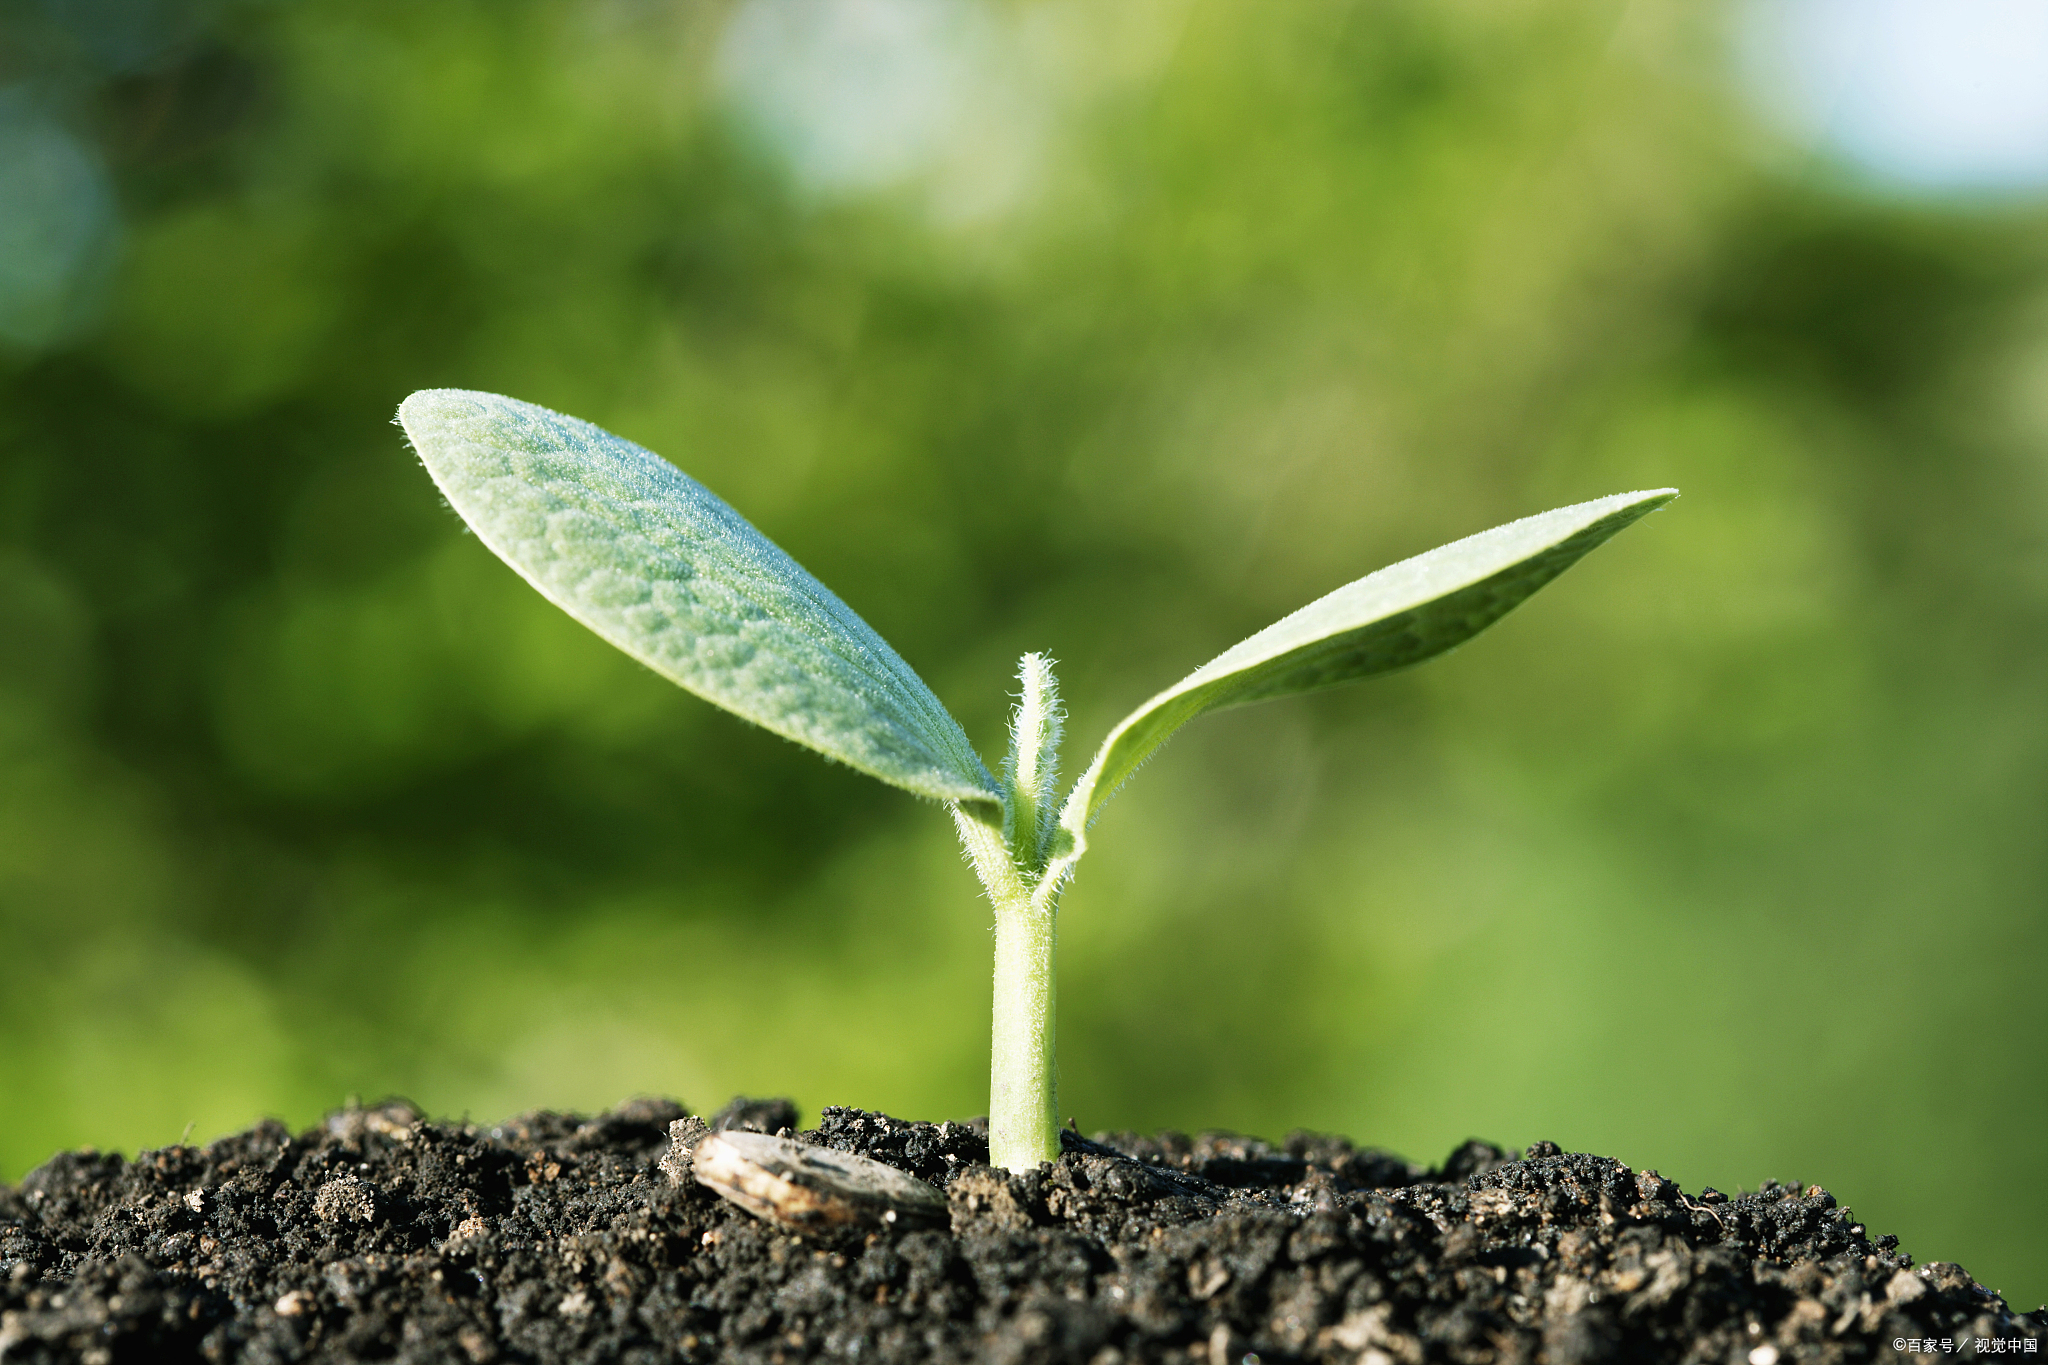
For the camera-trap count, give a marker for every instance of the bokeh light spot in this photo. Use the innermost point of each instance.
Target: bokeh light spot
(57, 226)
(1939, 95)
(857, 96)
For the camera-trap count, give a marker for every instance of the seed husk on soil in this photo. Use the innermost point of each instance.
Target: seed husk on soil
(802, 1187)
(382, 1236)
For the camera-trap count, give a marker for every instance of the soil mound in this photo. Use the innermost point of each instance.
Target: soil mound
(382, 1236)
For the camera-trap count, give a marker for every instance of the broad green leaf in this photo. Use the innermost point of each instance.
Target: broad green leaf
(652, 561)
(1401, 615)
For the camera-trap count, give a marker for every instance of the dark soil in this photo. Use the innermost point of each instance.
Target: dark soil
(550, 1238)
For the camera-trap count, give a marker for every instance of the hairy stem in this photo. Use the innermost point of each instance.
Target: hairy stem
(1023, 1113)
(1009, 856)
(1023, 1109)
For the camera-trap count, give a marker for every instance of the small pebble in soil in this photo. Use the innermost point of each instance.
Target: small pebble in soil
(380, 1236)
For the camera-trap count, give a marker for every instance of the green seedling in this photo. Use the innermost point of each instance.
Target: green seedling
(652, 561)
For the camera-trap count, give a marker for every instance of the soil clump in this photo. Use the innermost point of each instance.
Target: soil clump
(552, 1238)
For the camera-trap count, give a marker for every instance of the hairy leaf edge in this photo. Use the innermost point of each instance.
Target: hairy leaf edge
(985, 792)
(1086, 799)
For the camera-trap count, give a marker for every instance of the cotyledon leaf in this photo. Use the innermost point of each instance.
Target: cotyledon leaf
(1401, 615)
(655, 563)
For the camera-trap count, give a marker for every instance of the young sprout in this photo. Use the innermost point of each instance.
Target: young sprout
(649, 559)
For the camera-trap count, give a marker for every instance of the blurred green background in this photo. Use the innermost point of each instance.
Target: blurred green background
(1113, 331)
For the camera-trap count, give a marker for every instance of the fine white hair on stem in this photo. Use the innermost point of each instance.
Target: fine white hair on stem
(1031, 768)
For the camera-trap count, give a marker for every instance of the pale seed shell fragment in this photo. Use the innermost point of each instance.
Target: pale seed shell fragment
(812, 1189)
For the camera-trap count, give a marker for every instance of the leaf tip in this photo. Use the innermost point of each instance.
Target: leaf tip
(428, 412)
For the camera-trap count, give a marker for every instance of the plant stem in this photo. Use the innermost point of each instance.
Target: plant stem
(1008, 848)
(1023, 1114)
(1023, 1110)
